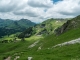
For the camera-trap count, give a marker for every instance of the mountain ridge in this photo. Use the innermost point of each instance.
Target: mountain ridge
(45, 28)
(14, 25)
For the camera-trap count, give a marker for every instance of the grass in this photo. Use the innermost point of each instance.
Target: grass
(34, 37)
(67, 36)
(69, 52)
(10, 37)
(59, 53)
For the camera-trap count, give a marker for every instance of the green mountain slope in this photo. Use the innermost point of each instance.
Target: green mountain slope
(43, 29)
(70, 24)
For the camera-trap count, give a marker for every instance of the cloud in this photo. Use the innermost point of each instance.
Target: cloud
(38, 3)
(38, 10)
(71, 7)
(11, 5)
(65, 8)
(29, 11)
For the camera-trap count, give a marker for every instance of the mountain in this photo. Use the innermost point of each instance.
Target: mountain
(8, 26)
(69, 25)
(43, 29)
(64, 46)
(7, 23)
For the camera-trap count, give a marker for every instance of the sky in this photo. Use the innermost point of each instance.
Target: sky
(39, 10)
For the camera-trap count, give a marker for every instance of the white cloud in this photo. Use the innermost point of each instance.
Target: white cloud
(38, 10)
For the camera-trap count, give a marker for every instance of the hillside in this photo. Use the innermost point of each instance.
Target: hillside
(8, 26)
(70, 24)
(43, 29)
(44, 49)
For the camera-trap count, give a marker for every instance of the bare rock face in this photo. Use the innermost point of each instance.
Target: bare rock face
(63, 28)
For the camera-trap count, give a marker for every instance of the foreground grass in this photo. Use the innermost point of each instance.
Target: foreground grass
(59, 53)
(21, 49)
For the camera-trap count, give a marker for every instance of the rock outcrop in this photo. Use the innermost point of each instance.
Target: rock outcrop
(70, 24)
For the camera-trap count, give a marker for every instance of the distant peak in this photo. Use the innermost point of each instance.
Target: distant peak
(24, 19)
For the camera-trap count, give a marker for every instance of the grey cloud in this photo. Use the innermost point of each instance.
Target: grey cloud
(27, 13)
(66, 13)
(7, 7)
(74, 12)
(11, 5)
(38, 4)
